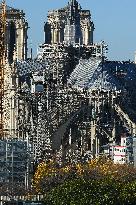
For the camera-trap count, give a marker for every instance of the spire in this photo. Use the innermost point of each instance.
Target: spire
(74, 5)
(73, 14)
(73, 2)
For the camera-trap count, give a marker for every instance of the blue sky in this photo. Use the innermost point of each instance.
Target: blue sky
(114, 20)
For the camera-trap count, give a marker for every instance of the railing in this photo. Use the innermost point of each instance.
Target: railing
(31, 198)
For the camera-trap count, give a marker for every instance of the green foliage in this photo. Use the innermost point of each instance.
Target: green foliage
(93, 192)
(97, 182)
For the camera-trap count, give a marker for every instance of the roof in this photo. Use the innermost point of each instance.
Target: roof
(92, 75)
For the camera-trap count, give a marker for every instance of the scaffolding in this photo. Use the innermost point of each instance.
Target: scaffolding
(2, 63)
(15, 163)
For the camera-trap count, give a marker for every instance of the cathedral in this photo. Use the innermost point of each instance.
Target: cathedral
(68, 102)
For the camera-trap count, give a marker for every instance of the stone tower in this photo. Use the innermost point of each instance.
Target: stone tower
(69, 25)
(16, 48)
(16, 34)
